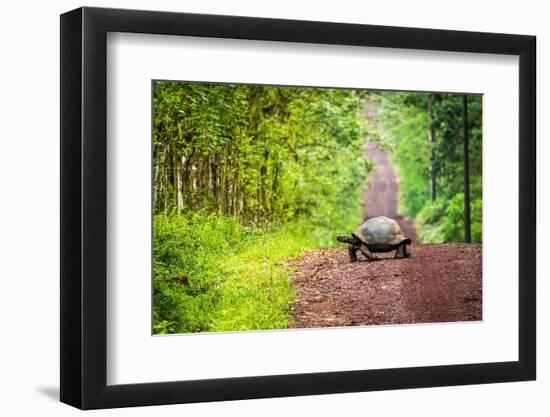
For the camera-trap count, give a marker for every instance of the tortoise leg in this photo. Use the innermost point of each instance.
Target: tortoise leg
(406, 251)
(352, 251)
(400, 252)
(367, 253)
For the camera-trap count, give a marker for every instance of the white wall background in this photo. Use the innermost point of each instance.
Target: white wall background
(29, 213)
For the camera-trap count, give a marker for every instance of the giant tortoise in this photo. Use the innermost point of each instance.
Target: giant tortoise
(379, 234)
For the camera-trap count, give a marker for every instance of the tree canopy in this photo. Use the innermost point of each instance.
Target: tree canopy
(426, 134)
(245, 177)
(262, 154)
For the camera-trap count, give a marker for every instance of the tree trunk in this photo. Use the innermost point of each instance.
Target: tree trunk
(264, 204)
(174, 177)
(431, 138)
(179, 180)
(467, 228)
(156, 178)
(210, 179)
(274, 190)
(165, 169)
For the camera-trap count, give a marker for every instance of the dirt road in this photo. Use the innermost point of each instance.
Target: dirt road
(382, 189)
(438, 283)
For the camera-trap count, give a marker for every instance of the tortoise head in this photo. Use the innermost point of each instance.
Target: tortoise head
(347, 239)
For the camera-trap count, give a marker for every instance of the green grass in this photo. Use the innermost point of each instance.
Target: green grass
(212, 274)
(256, 291)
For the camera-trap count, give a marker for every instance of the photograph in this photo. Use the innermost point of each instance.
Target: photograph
(262, 206)
(293, 207)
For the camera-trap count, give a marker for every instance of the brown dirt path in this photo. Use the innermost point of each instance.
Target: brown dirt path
(438, 283)
(382, 188)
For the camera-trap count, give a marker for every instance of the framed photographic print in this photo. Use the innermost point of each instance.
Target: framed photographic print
(257, 207)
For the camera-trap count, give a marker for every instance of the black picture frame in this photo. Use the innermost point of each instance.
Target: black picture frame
(84, 207)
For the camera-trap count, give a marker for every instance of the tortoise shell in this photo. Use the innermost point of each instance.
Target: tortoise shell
(381, 232)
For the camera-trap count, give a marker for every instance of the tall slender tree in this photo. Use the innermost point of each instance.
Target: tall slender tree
(431, 139)
(467, 225)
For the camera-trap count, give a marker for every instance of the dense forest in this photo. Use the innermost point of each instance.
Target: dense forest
(246, 177)
(426, 133)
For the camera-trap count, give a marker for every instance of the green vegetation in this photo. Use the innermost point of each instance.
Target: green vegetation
(212, 274)
(426, 134)
(246, 177)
